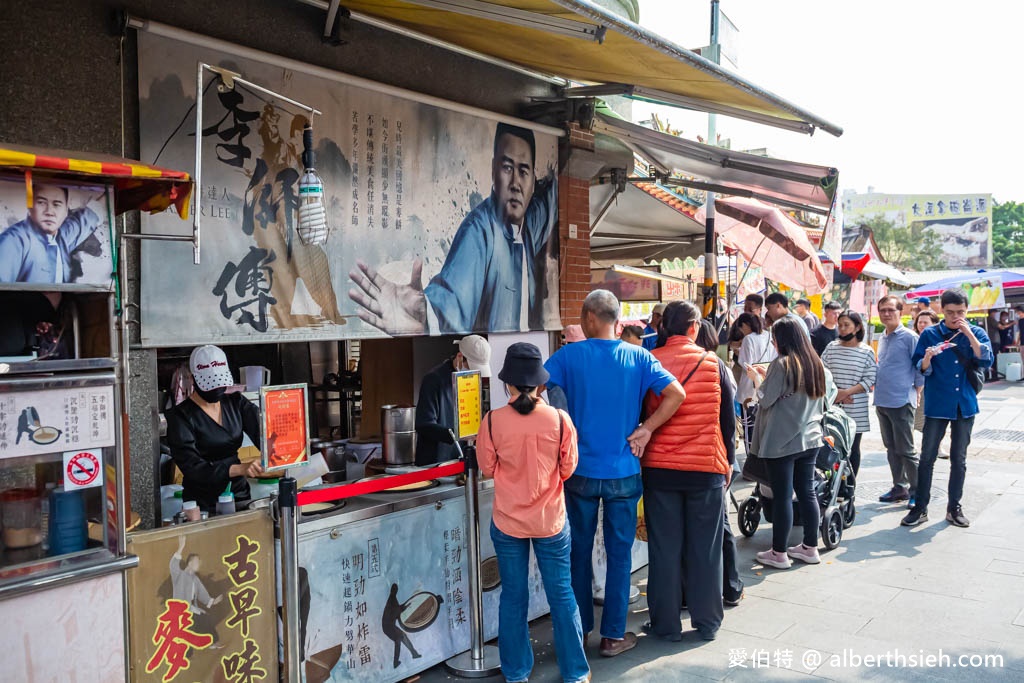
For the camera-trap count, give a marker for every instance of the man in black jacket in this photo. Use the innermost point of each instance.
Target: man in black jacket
(435, 410)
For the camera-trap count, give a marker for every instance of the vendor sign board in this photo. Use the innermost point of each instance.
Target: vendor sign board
(984, 293)
(73, 219)
(201, 602)
(468, 403)
(424, 196)
(284, 426)
(56, 420)
(958, 225)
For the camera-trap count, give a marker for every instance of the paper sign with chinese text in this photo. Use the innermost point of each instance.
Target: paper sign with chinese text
(202, 602)
(284, 426)
(467, 403)
(56, 420)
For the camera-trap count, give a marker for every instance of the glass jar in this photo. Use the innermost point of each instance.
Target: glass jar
(22, 517)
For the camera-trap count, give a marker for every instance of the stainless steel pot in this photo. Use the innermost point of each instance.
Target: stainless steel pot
(398, 427)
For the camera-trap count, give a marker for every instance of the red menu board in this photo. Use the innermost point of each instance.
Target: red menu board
(284, 427)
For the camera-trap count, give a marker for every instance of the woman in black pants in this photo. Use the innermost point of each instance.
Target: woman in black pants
(787, 435)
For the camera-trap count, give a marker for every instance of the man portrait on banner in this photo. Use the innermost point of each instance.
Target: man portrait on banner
(493, 278)
(39, 249)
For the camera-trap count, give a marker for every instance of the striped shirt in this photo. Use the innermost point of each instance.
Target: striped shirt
(852, 365)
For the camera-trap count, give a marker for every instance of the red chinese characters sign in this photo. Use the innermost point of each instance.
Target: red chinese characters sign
(202, 602)
(285, 426)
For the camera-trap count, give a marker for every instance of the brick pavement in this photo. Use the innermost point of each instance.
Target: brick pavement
(886, 589)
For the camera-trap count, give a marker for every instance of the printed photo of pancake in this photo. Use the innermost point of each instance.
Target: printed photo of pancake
(45, 435)
(420, 611)
(490, 577)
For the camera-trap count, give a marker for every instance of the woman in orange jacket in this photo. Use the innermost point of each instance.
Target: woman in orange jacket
(686, 467)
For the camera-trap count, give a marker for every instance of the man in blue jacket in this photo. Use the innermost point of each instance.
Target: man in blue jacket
(947, 355)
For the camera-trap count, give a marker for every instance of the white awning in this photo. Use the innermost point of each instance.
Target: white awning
(880, 270)
(639, 224)
(788, 184)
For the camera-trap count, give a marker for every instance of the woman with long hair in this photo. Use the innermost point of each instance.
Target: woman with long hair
(686, 466)
(787, 435)
(853, 366)
(530, 450)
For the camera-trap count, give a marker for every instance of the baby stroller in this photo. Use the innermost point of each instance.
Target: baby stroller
(834, 485)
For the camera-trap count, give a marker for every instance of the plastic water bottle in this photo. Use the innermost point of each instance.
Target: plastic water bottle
(225, 504)
(44, 513)
(312, 212)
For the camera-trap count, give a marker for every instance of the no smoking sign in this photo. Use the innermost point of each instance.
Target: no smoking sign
(82, 469)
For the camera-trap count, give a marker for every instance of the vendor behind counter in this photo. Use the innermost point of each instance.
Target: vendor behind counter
(204, 432)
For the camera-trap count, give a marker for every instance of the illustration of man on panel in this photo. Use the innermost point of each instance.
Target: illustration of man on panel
(493, 277)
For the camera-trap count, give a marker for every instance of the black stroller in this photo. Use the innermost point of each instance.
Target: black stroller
(834, 485)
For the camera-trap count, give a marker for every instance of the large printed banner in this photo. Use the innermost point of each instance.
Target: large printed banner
(201, 602)
(961, 223)
(441, 221)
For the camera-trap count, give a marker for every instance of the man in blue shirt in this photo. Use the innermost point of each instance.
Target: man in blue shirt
(605, 381)
(38, 249)
(493, 277)
(947, 354)
(650, 337)
(897, 386)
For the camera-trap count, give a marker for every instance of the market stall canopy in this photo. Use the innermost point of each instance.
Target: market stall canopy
(787, 183)
(863, 263)
(643, 222)
(767, 237)
(138, 186)
(1010, 279)
(582, 41)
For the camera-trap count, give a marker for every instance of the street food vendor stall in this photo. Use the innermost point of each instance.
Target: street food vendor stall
(63, 502)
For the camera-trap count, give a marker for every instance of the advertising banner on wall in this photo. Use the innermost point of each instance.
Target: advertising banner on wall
(958, 226)
(55, 234)
(201, 602)
(441, 221)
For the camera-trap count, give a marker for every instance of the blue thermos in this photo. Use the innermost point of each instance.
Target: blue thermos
(69, 529)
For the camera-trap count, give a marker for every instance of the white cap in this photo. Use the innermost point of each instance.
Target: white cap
(189, 505)
(209, 368)
(226, 498)
(477, 353)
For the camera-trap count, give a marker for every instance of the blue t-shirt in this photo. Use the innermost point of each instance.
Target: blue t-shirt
(605, 381)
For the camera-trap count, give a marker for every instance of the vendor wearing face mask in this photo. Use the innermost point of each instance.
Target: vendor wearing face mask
(204, 432)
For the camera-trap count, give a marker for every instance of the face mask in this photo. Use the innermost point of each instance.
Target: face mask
(847, 337)
(213, 395)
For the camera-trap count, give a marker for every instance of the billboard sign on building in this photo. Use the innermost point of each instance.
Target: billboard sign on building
(442, 220)
(958, 225)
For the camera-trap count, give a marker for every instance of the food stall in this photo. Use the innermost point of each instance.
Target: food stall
(63, 502)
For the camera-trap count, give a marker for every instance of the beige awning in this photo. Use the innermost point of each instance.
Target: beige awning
(582, 41)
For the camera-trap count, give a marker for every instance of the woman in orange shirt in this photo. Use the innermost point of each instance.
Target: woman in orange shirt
(530, 449)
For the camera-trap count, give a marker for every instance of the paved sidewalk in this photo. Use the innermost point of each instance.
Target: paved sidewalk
(885, 590)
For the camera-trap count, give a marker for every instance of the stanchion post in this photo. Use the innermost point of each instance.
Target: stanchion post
(289, 533)
(481, 660)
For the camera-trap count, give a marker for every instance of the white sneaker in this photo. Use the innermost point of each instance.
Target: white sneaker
(770, 558)
(804, 554)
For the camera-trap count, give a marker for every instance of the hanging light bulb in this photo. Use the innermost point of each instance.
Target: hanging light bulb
(312, 211)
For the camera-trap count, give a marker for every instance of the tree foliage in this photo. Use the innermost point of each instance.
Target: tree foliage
(1008, 235)
(907, 248)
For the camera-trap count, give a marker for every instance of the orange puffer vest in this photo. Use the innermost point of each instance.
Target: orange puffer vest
(691, 440)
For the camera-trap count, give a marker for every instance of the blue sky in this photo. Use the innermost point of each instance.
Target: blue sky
(929, 93)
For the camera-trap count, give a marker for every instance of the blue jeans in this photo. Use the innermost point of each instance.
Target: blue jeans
(959, 440)
(513, 624)
(583, 495)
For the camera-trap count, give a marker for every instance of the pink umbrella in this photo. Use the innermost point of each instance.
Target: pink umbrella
(768, 238)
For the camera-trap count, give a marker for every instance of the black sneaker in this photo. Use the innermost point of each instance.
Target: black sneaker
(895, 495)
(956, 517)
(915, 517)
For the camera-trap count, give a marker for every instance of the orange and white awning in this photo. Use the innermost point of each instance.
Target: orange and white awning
(137, 186)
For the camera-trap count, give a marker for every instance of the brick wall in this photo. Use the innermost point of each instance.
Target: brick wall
(574, 209)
